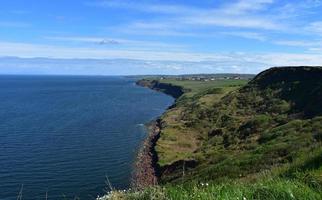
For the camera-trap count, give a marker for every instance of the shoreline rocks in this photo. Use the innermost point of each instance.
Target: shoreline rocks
(146, 169)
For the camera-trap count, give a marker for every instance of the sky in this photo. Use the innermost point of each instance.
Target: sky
(122, 37)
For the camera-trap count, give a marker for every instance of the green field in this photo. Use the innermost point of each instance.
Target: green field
(199, 86)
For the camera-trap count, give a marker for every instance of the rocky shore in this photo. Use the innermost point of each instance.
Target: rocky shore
(146, 169)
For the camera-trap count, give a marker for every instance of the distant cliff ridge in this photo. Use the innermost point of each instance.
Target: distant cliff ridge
(172, 90)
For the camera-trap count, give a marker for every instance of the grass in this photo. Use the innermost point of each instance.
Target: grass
(178, 142)
(299, 180)
(197, 86)
(270, 189)
(236, 131)
(261, 140)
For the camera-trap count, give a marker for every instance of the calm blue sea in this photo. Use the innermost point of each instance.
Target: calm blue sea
(64, 134)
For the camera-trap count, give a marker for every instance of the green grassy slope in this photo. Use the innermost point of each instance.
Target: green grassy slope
(270, 189)
(268, 123)
(179, 139)
(260, 140)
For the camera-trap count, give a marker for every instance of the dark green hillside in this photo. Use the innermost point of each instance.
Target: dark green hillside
(256, 140)
(300, 85)
(268, 123)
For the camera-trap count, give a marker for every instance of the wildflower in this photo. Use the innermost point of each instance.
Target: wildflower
(244, 198)
(207, 184)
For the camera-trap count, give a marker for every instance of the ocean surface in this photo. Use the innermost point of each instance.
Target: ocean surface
(63, 135)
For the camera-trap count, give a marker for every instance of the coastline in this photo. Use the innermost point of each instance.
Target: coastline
(147, 171)
(234, 157)
(146, 168)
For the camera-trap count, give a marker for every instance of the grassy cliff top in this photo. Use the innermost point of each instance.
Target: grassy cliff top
(193, 87)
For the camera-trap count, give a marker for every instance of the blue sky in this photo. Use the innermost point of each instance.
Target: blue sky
(154, 36)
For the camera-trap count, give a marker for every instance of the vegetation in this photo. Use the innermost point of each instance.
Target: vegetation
(277, 189)
(180, 135)
(256, 140)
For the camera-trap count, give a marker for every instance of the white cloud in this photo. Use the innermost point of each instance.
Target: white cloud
(245, 14)
(316, 50)
(126, 43)
(96, 40)
(237, 14)
(289, 59)
(14, 24)
(246, 6)
(250, 19)
(236, 22)
(299, 43)
(247, 35)
(144, 7)
(181, 62)
(19, 12)
(156, 28)
(34, 50)
(231, 8)
(228, 63)
(315, 27)
(120, 66)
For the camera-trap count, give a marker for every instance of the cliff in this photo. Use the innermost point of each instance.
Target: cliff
(169, 89)
(238, 140)
(148, 171)
(248, 125)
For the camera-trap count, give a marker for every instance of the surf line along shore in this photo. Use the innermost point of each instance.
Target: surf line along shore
(147, 172)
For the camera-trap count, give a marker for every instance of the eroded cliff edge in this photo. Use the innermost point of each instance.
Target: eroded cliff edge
(169, 89)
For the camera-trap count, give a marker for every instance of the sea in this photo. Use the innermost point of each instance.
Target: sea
(63, 137)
